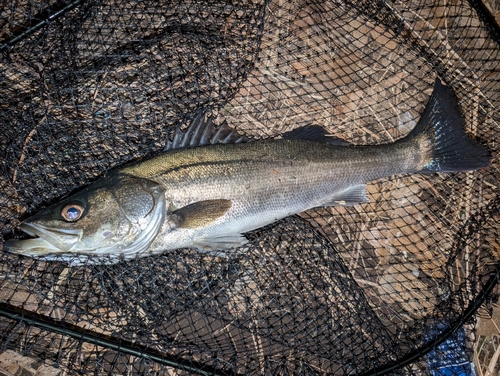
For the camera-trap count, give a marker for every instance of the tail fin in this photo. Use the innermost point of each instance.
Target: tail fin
(443, 124)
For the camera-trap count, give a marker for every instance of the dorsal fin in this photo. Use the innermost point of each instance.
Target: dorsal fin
(314, 133)
(202, 131)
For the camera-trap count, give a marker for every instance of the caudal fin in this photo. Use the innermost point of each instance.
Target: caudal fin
(443, 125)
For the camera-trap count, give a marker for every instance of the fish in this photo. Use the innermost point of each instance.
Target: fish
(211, 185)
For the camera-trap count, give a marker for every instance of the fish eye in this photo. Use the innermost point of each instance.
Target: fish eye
(72, 212)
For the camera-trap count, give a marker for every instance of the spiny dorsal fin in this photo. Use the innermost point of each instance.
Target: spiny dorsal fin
(202, 131)
(200, 214)
(314, 133)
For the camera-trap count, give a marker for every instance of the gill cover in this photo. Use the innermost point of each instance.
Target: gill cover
(142, 204)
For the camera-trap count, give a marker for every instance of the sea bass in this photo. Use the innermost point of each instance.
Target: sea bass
(210, 187)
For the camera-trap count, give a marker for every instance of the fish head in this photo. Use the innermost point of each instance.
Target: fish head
(118, 215)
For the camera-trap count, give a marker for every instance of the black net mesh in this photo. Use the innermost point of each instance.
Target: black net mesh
(86, 86)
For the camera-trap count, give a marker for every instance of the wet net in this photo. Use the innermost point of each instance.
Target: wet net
(390, 286)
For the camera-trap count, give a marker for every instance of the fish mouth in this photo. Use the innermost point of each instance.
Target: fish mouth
(45, 240)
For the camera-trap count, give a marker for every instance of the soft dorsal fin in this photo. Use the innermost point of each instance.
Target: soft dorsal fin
(314, 133)
(202, 131)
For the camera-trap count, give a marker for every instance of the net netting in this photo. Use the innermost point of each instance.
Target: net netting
(87, 86)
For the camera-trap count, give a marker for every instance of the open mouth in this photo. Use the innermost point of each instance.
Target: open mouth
(45, 240)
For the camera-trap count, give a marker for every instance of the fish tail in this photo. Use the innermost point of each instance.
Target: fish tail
(444, 145)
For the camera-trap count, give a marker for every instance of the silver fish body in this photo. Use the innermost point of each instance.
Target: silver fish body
(207, 197)
(254, 184)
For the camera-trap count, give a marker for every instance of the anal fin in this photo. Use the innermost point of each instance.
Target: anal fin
(352, 196)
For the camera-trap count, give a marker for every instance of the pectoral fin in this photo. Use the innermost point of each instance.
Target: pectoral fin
(200, 214)
(352, 196)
